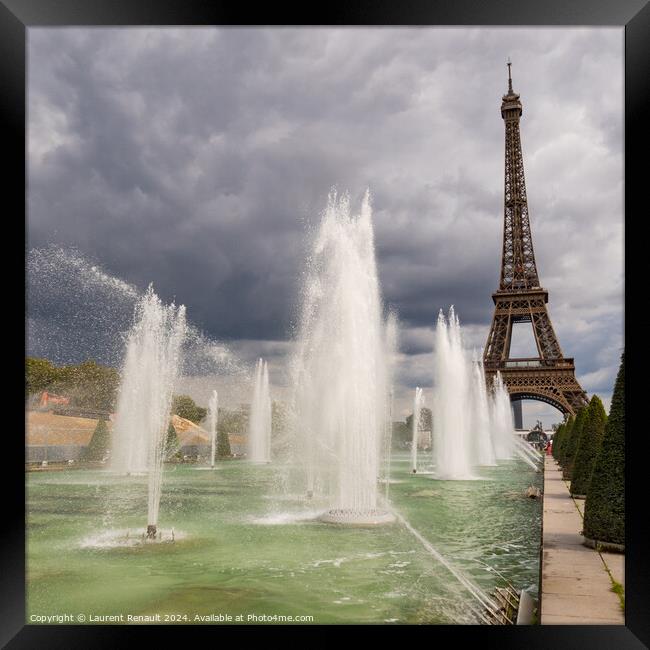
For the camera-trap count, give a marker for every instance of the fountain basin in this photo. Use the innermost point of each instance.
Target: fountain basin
(347, 517)
(120, 572)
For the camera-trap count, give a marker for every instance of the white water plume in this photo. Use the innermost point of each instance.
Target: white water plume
(418, 400)
(503, 426)
(213, 415)
(150, 370)
(481, 423)
(340, 367)
(77, 310)
(392, 344)
(452, 421)
(526, 452)
(259, 432)
(484, 599)
(473, 426)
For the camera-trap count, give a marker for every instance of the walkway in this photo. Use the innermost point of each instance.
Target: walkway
(576, 587)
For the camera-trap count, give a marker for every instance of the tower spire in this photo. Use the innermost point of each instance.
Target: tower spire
(510, 91)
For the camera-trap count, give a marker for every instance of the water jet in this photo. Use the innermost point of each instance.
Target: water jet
(145, 395)
(341, 366)
(259, 432)
(418, 399)
(213, 414)
(452, 448)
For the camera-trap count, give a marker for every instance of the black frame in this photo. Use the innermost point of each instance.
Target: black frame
(633, 15)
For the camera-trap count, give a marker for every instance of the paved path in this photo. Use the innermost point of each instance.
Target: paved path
(576, 587)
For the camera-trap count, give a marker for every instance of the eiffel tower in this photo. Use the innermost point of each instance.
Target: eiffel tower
(550, 376)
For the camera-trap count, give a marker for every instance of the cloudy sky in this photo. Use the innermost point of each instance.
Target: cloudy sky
(200, 159)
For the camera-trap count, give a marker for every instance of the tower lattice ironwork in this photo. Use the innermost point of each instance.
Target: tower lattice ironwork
(549, 377)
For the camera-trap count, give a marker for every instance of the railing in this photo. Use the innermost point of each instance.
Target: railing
(534, 362)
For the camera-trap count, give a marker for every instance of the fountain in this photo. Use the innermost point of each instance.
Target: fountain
(144, 403)
(340, 368)
(452, 448)
(506, 442)
(481, 423)
(473, 426)
(213, 415)
(418, 400)
(503, 427)
(335, 396)
(391, 354)
(259, 432)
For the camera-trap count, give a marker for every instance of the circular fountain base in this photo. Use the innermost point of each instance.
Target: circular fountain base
(346, 517)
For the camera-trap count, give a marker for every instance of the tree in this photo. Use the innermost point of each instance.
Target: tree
(591, 438)
(223, 444)
(172, 444)
(88, 384)
(425, 420)
(279, 417)
(571, 444)
(98, 446)
(604, 518)
(402, 435)
(39, 374)
(185, 407)
(233, 421)
(91, 385)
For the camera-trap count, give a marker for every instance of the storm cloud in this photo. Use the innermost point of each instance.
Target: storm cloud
(199, 159)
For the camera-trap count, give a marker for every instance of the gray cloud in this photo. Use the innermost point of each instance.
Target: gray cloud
(200, 159)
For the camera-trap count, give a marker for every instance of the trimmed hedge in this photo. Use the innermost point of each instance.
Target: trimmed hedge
(557, 440)
(604, 518)
(571, 445)
(98, 445)
(223, 445)
(588, 446)
(566, 433)
(172, 444)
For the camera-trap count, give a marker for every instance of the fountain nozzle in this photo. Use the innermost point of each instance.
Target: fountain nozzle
(151, 531)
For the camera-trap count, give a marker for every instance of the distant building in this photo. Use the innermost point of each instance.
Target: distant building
(48, 399)
(60, 438)
(56, 438)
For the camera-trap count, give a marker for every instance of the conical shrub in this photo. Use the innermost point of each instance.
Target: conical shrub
(604, 519)
(589, 444)
(172, 444)
(98, 445)
(223, 445)
(566, 433)
(571, 444)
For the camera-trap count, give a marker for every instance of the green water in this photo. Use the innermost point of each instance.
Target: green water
(241, 548)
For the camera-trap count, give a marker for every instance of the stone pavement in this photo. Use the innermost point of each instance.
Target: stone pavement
(576, 588)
